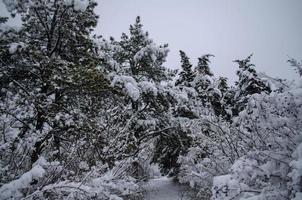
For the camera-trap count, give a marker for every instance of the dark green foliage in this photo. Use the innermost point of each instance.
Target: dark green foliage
(54, 72)
(3, 19)
(204, 80)
(223, 84)
(169, 146)
(71, 100)
(249, 83)
(141, 55)
(296, 64)
(186, 76)
(226, 101)
(203, 65)
(220, 101)
(184, 111)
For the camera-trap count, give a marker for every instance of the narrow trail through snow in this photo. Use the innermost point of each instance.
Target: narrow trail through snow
(165, 189)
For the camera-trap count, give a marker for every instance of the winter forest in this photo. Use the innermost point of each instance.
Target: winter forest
(88, 117)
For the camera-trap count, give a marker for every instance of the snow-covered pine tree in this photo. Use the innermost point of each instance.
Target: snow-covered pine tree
(145, 122)
(297, 65)
(222, 98)
(203, 65)
(223, 84)
(186, 76)
(53, 97)
(49, 72)
(203, 81)
(266, 140)
(140, 56)
(212, 92)
(248, 83)
(220, 102)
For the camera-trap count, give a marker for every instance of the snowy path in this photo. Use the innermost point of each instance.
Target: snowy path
(165, 189)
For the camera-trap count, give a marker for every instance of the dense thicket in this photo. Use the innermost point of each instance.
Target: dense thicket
(83, 117)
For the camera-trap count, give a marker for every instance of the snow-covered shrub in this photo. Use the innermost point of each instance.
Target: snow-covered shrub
(269, 128)
(296, 172)
(208, 157)
(99, 182)
(23, 185)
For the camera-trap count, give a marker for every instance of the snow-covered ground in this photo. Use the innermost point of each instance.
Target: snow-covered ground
(164, 188)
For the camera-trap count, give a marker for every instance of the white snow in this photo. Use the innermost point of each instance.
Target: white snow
(78, 5)
(151, 51)
(296, 165)
(298, 196)
(148, 87)
(128, 83)
(225, 187)
(164, 188)
(13, 188)
(13, 47)
(132, 91)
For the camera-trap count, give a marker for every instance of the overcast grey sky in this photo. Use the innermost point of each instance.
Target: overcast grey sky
(229, 29)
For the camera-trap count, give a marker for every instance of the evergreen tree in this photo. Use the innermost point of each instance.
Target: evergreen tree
(80, 115)
(227, 98)
(140, 56)
(220, 98)
(203, 65)
(204, 79)
(249, 83)
(50, 67)
(186, 76)
(169, 147)
(297, 65)
(139, 76)
(223, 84)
